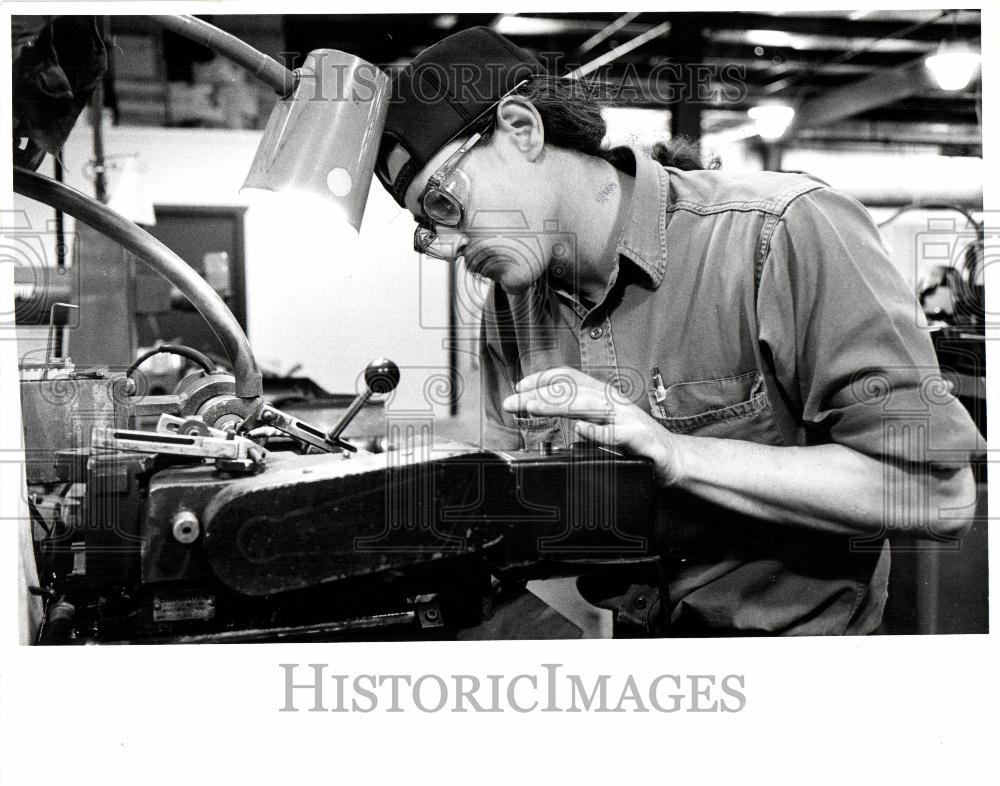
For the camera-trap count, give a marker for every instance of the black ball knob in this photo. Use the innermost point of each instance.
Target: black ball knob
(381, 376)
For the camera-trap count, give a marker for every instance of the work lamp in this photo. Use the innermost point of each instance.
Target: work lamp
(321, 140)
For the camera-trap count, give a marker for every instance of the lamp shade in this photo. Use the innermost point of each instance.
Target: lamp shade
(322, 141)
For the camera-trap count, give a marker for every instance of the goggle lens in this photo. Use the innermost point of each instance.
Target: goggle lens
(426, 241)
(444, 201)
(442, 208)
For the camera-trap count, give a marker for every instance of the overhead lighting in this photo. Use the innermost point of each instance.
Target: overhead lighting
(515, 25)
(771, 121)
(773, 38)
(953, 65)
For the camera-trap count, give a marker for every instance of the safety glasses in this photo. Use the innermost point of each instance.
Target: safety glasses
(447, 192)
(443, 202)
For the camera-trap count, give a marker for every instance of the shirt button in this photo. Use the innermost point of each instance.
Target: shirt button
(596, 332)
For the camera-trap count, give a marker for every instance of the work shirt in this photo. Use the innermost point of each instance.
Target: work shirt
(769, 307)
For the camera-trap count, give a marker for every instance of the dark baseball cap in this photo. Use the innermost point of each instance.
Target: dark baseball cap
(443, 92)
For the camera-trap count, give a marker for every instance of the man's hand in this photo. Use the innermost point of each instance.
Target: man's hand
(600, 414)
(831, 488)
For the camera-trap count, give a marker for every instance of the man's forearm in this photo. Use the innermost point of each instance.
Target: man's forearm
(831, 488)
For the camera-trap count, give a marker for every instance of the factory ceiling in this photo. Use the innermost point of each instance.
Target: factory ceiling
(853, 75)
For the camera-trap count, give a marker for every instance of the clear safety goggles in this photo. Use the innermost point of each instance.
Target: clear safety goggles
(443, 201)
(447, 193)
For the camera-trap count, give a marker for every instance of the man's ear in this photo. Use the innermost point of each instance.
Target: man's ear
(519, 120)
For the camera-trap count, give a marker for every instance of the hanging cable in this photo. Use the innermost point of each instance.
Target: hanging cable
(193, 355)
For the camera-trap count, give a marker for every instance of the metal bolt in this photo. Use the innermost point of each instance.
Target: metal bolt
(185, 527)
(267, 416)
(640, 601)
(431, 614)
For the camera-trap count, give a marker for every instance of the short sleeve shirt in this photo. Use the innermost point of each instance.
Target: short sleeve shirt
(769, 308)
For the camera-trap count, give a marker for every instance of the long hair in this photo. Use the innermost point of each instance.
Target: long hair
(571, 114)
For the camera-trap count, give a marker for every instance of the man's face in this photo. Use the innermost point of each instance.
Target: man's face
(501, 233)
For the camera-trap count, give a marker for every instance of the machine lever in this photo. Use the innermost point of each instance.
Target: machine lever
(381, 377)
(312, 436)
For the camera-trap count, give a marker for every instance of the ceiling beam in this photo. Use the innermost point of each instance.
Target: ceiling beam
(602, 35)
(812, 58)
(878, 90)
(910, 132)
(833, 23)
(621, 49)
(843, 26)
(802, 42)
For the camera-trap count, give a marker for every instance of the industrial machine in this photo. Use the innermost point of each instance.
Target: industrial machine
(214, 529)
(209, 515)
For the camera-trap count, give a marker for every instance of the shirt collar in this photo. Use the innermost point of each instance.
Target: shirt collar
(644, 240)
(644, 235)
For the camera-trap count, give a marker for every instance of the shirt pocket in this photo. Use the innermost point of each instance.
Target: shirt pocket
(735, 407)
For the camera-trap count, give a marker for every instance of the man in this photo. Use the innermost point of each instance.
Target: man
(747, 334)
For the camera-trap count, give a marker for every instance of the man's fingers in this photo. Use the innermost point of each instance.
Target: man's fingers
(586, 404)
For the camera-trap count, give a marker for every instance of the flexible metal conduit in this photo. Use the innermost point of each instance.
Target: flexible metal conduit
(266, 69)
(159, 258)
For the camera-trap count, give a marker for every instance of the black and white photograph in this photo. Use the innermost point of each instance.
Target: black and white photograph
(496, 369)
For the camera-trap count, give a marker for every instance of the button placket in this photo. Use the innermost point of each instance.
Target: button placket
(597, 353)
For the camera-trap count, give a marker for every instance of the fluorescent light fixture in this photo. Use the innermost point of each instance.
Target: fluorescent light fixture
(953, 65)
(514, 25)
(771, 121)
(321, 143)
(774, 38)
